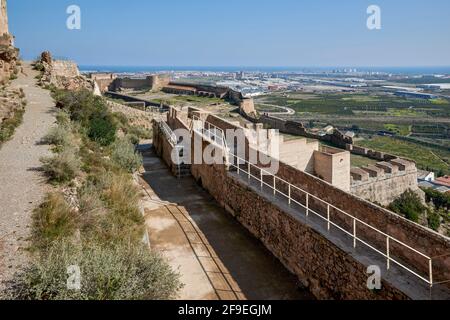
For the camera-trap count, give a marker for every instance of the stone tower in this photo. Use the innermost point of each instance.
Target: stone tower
(3, 18)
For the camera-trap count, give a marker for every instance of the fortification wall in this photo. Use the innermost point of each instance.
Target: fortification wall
(3, 18)
(105, 81)
(297, 129)
(416, 236)
(68, 69)
(372, 154)
(285, 236)
(128, 83)
(328, 271)
(385, 190)
(385, 181)
(162, 147)
(157, 82)
(299, 154)
(333, 166)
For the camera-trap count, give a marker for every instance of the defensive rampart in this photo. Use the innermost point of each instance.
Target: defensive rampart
(331, 269)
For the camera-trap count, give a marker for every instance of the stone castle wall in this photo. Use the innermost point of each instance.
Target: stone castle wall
(328, 271)
(104, 81)
(385, 181)
(157, 82)
(333, 166)
(62, 68)
(372, 154)
(110, 82)
(3, 18)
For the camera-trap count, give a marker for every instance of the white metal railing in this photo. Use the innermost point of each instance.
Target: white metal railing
(169, 133)
(216, 135)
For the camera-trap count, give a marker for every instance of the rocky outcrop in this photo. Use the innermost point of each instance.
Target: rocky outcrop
(62, 74)
(8, 54)
(12, 100)
(8, 58)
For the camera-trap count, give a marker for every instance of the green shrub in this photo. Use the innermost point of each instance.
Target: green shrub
(52, 220)
(434, 219)
(107, 273)
(409, 205)
(8, 126)
(124, 221)
(102, 129)
(62, 167)
(92, 210)
(439, 199)
(63, 118)
(59, 136)
(80, 105)
(121, 119)
(124, 154)
(141, 132)
(134, 140)
(38, 66)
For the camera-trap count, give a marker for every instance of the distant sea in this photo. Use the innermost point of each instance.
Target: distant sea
(149, 69)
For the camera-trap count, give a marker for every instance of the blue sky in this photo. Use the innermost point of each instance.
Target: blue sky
(236, 32)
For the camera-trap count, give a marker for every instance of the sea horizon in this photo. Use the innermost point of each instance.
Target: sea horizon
(415, 70)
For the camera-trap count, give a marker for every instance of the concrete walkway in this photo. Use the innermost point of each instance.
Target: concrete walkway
(215, 256)
(22, 187)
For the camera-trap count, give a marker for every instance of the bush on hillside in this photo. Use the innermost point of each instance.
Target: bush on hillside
(60, 136)
(102, 129)
(124, 221)
(63, 118)
(124, 154)
(439, 199)
(123, 272)
(62, 167)
(80, 105)
(53, 220)
(409, 205)
(140, 132)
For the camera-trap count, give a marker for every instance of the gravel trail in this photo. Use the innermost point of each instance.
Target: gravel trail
(22, 186)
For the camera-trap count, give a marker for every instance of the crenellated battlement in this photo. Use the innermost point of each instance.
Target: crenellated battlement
(385, 181)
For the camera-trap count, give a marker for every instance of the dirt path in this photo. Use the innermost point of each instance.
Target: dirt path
(22, 186)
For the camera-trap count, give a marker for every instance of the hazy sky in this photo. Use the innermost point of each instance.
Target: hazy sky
(236, 32)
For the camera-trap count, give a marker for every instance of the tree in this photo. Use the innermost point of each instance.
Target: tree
(408, 205)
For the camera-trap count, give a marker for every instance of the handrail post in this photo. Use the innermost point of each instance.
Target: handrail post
(354, 233)
(249, 169)
(388, 253)
(307, 204)
(328, 216)
(262, 177)
(289, 191)
(274, 185)
(238, 165)
(431, 273)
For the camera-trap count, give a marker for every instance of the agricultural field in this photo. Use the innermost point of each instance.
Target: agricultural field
(357, 104)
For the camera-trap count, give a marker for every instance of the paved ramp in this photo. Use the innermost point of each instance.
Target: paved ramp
(216, 257)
